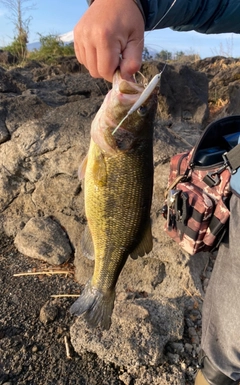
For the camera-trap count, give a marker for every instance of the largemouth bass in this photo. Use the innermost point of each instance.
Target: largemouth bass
(118, 172)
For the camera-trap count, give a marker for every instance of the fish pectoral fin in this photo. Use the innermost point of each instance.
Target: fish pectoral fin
(87, 244)
(99, 169)
(145, 245)
(82, 168)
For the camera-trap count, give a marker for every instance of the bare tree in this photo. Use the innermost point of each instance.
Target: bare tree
(225, 48)
(19, 10)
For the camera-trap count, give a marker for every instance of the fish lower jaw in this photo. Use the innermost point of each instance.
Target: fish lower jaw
(113, 124)
(127, 100)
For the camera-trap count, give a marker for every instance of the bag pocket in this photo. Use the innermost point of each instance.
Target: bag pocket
(189, 217)
(218, 225)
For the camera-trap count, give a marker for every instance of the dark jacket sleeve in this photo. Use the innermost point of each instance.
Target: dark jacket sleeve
(205, 16)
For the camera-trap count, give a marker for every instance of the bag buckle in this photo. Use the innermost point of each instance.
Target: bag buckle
(227, 163)
(212, 178)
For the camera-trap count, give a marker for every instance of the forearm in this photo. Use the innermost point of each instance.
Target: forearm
(206, 16)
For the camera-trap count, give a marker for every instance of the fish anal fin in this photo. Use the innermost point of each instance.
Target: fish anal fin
(82, 168)
(145, 245)
(87, 244)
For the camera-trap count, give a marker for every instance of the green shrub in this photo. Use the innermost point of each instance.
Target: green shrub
(51, 47)
(18, 48)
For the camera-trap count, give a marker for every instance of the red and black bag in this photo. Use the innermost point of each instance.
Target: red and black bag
(197, 198)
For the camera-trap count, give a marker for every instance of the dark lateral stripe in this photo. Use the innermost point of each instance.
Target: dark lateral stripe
(197, 216)
(215, 225)
(191, 233)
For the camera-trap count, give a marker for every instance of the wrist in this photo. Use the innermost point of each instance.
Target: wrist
(142, 5)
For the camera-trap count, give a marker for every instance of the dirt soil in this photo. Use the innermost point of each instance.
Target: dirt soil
(31, 351)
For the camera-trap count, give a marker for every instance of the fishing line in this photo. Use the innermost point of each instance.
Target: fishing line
(163, 17)
(153, 83)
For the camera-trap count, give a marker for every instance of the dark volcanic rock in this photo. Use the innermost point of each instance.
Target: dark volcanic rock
(4, 133)
(23, 108)
(7, 58)
(234, 99)
(70, 64)
(48, 312)
(44, 239)
(7, 85)
(183, 92)
(223, 74)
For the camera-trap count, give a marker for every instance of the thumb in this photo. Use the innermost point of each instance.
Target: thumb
(131, 59)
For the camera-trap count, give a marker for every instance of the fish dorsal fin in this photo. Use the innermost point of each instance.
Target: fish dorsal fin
(145, 245)
(82, 168)
(87, 244)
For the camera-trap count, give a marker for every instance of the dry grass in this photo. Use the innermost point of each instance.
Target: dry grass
(216, 107)
(222, 65)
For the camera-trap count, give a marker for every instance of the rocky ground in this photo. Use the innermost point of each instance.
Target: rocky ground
(45, 118)
(35, 332)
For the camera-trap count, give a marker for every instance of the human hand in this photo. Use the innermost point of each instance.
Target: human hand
(107, 31)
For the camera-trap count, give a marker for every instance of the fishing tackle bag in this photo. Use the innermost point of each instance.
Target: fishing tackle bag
(197, 198)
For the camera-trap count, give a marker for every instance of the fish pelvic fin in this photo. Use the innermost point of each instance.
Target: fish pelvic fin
(145, 245)
(82, 168)
(96, 306)
(87, 246)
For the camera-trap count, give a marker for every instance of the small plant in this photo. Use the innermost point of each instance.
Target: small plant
(17, 14)
(18, 47)
(179, 56)
(164, 55)
(51, 47)
(146, 54)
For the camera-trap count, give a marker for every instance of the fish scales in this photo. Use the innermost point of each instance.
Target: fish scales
(118, 174)
(118, 211)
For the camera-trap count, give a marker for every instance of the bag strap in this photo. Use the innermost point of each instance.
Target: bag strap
(232, 158)
(231, 162)
(178, 179)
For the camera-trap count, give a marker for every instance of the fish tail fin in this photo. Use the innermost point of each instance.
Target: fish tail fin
(97, 306)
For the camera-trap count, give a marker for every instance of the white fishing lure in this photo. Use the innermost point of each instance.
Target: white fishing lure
(143, 97)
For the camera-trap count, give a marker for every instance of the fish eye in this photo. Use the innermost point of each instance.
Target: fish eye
(142, 111)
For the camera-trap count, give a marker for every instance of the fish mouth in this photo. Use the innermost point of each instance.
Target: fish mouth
(113, 113)
(127, 92)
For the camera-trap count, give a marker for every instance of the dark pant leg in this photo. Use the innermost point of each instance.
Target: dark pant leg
(221, 308)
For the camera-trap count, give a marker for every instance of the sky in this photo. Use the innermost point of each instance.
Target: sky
(60, 17)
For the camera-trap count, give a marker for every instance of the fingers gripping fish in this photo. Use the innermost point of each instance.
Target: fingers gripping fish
(118, 174)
